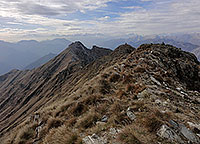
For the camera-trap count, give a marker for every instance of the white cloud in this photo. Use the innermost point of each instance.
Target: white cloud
(104, 18)
(161, 17)
(133, 7)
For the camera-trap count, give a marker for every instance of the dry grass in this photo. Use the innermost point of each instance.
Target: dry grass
(25, 134)
(102, 108)
(43, 132)
(153, 124)
(71, 122)
(128, 79)
(130, 87)
(105, 87)
(139, 69)
(62, 135)
(88, 120)
(53, 123)
(77, 109)
(92, 99)
(121, 94)
(62, 109)
(116, 108)
(127, 136)
(138, 88)
(114, 78)
(151, 121)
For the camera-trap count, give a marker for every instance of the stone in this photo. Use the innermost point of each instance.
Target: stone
(168, 133)
(100, 123)
(174, 124)
(94, 139)
(158, 102)
(114, 131)
(104, 118)
(36, 117)
(131, 115)
(188, 134)
(198, 100)
(198, 135)
(165, 103)
(179, 89)
(155, 81)
(143, 94)
(88, 140)
(193, 125)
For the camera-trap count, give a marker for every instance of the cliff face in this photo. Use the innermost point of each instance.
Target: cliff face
(146, 95)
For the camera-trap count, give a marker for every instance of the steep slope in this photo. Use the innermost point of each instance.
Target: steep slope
(145, 95)
(197, 52)
(25, 91)
(40, 61)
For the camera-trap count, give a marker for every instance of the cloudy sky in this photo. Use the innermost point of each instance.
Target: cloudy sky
(46, 19)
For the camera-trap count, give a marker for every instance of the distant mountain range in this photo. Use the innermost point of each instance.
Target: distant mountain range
(190, 43)
(40, 61)
(19, 55)
(25, 53)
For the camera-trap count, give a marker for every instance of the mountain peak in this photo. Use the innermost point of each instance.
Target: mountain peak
(122, 49)
(77, 45)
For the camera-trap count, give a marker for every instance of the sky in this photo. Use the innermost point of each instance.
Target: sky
(48, 19)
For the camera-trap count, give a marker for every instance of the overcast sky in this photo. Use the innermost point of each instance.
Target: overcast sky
(46, 19)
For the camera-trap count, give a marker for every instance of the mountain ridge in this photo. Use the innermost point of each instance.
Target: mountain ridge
(31, 83)
(126, 95)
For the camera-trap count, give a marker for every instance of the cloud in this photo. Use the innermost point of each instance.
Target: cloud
(104, 18)
(133, 7)
(40, 19)
(54, 7)
(36, 9)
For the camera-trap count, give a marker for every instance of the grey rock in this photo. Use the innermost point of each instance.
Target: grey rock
(174, 124)
(158, 102)
(192, 125)
(131, 115)
(94, 139)
(114, 131)
(104, 118)
(168, 133)
(155, 81)
(100, 123)
(143, 94)
(189, 134)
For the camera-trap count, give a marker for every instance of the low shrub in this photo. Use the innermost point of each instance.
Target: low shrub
(53, 123)
(114, 77)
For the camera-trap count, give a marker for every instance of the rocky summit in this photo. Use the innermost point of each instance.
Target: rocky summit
(144, 95)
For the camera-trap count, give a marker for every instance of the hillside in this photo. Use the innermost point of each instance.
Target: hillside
(24, 91)
(145, 95)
